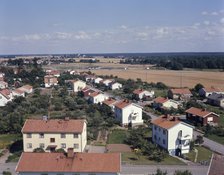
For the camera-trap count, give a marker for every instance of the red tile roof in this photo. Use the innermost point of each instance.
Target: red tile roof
(199, 112)
(5, 93)
(138, 91)
(181, 91)
(79, 163)
(94, 94)
(53, 126)
(166, 122)
(27, 87)
(212, 89)
(109, 101)
(18, 91)
(160, 100)
(122, 104)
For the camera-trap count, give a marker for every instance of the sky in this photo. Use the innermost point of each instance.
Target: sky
(111, 26)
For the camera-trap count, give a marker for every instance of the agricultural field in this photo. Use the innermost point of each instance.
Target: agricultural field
(185, 78)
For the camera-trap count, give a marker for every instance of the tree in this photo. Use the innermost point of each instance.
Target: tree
(186, 172)
(6, 173)
(198, 87)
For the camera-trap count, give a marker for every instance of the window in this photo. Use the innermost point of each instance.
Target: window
(44, 174)
(155, 127)
(155, 137)
(63, 145)
(76, 174)
(63, 135)
(76, 135)
(41, 135)
(29, 145)
(164, 131)
(76, 146)
(164, 142)
(60, 174)
(52, 140)
(29, 135)
(92, 174)
(41, 145)
(159, 129)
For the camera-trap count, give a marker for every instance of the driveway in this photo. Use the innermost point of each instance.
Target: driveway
(214, 146)
(96, 149)
(151, 169)
(7, 166)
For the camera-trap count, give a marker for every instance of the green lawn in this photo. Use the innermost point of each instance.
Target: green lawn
(216, 138)
(117, 136)
(203, 154)
(7, 139)
(131, 158)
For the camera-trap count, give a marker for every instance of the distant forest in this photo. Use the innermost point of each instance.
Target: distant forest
(178, 62)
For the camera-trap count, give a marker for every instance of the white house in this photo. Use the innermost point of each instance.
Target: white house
(78, 85)
(205, 92)
(90, 78)
(107, 82)
(26, 88)
(110, 102)
(50, 81)
(115, 85)
(97, 80)
(128, 113)
(2, 76)
(140, 93)
(161, 102)
(69, 164)
(172, 134)
(3, 85)
(18, 93)
(54, 134)
(97, 97)
(5, 96)
(55, 73)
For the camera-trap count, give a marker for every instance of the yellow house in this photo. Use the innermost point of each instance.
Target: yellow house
(54, 134)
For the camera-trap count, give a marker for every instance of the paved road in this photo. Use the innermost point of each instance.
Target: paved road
(153, 116)
(147, 170)
(6, 166)
(214, 146)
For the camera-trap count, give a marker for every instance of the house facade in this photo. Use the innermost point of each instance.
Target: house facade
(97, 97)
(140, 93)
(98, 80)
(205, 92)
(179, 94)
(172, 134)
(54, 134)
(128, 113)
(107, 82)
(50, 81)
(78, 85)
(18, 92)
(216, 100)
(161, 102)
(201, 117)
(27, 89)
(115, 85)
(5, 96)
(70, 164)
(3, 85)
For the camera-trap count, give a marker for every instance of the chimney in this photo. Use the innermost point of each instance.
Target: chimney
(70, 153)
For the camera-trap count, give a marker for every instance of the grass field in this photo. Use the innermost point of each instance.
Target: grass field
(131, 158)
(117, 136)
(7, 139)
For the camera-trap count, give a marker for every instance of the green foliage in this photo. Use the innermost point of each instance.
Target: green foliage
(38, 150)
(138, 139)
(186, 172)
(198, 86)
(6, 173)
(60, 150)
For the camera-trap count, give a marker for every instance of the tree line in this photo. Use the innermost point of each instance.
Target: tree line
(178, 62)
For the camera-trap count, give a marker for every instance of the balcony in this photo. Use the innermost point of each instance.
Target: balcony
(186, 137)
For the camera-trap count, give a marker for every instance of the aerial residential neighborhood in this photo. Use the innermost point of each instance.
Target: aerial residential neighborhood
(96, 87)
